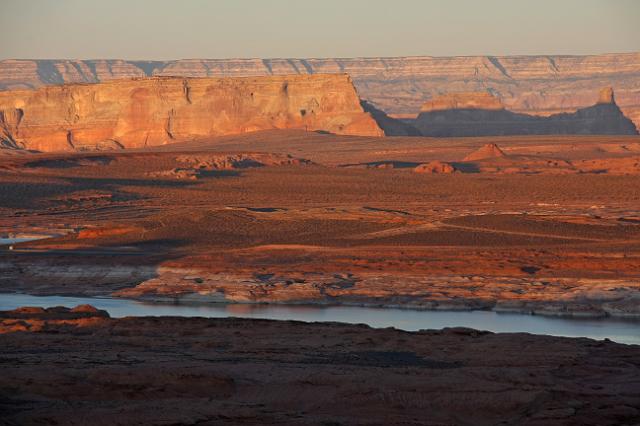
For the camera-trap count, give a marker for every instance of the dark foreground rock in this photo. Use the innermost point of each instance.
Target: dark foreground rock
(70, 367)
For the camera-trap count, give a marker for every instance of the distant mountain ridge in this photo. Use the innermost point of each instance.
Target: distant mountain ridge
(540, 85)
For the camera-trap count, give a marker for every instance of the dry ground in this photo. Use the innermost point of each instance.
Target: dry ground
(179, 221)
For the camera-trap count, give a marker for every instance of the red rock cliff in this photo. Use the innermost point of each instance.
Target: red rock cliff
(161, 110)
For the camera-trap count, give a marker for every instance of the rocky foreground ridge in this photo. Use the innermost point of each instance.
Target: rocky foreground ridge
(154, 111)
(171, 370)
(533, 84)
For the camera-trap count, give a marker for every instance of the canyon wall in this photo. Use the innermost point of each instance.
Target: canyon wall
(540, 85)
(151, 111)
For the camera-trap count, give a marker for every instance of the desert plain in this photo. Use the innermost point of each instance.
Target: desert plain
(549, 226)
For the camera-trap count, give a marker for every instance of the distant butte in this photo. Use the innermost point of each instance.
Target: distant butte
(482, 114)
(606, 96)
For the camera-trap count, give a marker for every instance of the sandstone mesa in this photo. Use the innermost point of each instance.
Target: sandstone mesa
(160, 110)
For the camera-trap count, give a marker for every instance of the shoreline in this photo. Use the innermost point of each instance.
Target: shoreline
(617, 329)
(203, 301)
(143, 279)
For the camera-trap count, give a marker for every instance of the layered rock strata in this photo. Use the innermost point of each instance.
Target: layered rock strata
(400, 85)
(161, 110)
(566, 297)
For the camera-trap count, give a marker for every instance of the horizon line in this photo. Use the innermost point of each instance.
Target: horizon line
(635, 52)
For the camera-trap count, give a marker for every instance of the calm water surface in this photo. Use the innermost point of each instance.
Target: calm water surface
(7, 241)
(623, 331)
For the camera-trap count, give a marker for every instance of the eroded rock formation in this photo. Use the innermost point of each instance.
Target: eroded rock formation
(606, 96)
(481, 114)
(156, 111)
(540, 85)
(195, 166)
(490, 150)
(435, 167)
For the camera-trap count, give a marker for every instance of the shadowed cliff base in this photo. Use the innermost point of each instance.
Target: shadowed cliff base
(391, 126)
(480, 114)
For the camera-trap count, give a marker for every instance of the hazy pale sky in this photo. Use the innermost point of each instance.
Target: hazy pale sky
(174, 29)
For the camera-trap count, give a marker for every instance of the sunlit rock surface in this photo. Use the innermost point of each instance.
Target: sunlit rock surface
(154, 111)
(540, 85)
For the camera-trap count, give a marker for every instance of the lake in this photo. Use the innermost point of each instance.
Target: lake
(7, 241)
(618, 330)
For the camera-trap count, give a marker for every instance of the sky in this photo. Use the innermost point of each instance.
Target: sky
(175, 29)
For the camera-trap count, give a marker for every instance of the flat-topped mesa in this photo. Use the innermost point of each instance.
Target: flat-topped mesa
(464, 100)
(481, 114)
(143, 112)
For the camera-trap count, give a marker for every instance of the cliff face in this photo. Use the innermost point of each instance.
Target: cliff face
(541, 85)
(474, 114)
(160, 110)
(471, 100)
